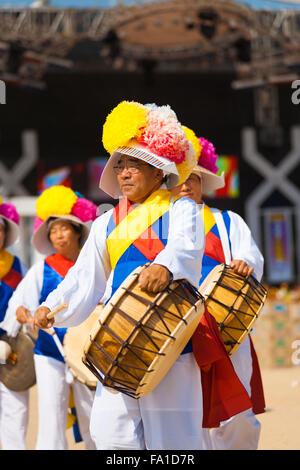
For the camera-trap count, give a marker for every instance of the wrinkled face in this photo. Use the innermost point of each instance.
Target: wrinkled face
(2, 235)
(64, 238)
(137, 179)
(192, 188)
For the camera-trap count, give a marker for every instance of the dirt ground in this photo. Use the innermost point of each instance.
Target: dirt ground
(280, 424)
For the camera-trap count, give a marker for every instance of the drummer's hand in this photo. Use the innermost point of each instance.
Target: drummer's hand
(24, 316)
(154, 278)
(241, 267)
(41, 320)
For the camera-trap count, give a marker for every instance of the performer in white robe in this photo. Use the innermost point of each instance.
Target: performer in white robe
(61, 228)
(170, 417)
(240, 251)
(13, 405)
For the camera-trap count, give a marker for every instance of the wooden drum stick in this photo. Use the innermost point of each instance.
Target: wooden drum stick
(54, 312)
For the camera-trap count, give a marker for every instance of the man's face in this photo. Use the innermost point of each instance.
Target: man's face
(191, 188)
(137, 179)
(2, 235)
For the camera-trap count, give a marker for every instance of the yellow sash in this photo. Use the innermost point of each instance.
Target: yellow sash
(136, 222)
(6, 262)
(208, 218)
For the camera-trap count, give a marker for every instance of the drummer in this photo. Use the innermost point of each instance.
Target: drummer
(229, 241)
(13, 405)
(150, 153)
(61, 227)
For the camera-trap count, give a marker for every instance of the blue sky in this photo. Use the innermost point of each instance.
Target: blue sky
(261, 4)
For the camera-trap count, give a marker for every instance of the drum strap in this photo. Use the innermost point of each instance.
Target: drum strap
(136, 222)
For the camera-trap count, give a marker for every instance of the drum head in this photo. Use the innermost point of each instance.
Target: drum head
(21, 375)
(74, 341)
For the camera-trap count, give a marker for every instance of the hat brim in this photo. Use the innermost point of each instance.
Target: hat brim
(40, 238)
(210, 181)
(12, 234)
(109, 181)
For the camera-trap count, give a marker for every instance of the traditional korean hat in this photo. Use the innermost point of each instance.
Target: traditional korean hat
(9, 214)
(207, 169)
(150, 133)
(61, 202)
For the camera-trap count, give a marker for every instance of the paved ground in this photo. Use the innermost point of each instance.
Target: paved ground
(280, 424)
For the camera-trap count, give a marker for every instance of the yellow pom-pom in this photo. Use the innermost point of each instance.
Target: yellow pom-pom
(186, 167)
(57, 200)
(125, 122)
(191, 136)
(1, 202)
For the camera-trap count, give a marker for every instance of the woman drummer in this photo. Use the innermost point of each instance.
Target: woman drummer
(13, 405)
(60, 230)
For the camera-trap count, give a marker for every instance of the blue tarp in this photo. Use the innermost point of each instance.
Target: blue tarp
(256, 4)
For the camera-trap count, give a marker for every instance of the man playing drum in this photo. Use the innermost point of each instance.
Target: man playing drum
(13, 405)
(228, 240)
(150, 153)
(60, 229)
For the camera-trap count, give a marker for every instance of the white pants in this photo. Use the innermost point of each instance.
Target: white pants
(53, 402)
(168, 418)
(242, 431)
(13, 418)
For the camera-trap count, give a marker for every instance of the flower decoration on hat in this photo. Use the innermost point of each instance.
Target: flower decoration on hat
(185, 168)
(61, 200)
(208, 156)
(8, 210)
(154, 127)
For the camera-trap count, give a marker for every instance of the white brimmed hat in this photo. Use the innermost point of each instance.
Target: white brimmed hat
(9, 214)
(206, 167)
(149, 133)
(61, 203)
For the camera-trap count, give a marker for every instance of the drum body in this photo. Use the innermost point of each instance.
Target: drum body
(74, 342)
(235, 301)
(139, 335)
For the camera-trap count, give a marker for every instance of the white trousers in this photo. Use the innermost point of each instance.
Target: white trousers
(242, 431)
(168, 418)
(53, 402)
(13, 418)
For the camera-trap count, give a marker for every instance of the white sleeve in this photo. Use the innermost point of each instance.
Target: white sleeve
(84, 285)
(27, 294)
(184, 250)
(243, 245)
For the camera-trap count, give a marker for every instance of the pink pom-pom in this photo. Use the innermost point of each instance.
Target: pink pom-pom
(84, 209)
(9, 211)
(164, 136)
(208, 156)
(37, 222)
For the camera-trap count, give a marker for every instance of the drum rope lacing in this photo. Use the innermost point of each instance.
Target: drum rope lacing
(139, 325)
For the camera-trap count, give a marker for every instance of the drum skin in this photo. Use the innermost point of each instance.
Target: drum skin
(234, 301)
(74, 342)
(139, 335)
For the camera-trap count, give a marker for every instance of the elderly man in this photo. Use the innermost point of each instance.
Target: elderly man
(150, 153)
(233, 240)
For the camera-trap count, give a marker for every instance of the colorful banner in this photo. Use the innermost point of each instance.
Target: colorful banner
(278, 245)
(229, 165)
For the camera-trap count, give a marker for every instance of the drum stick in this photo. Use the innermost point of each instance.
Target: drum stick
(58, 309)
